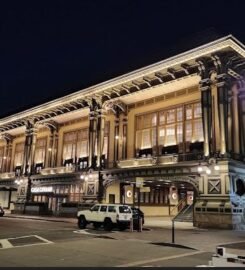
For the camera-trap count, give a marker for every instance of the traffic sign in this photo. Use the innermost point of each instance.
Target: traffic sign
(145, 189)
(139, 182)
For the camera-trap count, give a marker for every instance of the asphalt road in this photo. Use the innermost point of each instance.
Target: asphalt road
(35, 243)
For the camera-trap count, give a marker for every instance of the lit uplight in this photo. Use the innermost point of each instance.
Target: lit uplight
(208, 171)
(82, 177)
(199, 169)
(116, 137)
(216, 167)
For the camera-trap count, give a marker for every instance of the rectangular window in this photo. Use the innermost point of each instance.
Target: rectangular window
(103, 208)
(188, 131)
(146, 139)
(188, 112)
(75, 145)
(179, 133)
(161, 138)
(40, 151)
(197, 110)
(179, 114)
(169, 128)
(19, 154)
(161, 118)
(171, 116)
(197, 131)
(148, 120)
(112, 209)
(170, 135)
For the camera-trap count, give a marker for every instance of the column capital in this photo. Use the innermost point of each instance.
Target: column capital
(7, 137)
(205, 84)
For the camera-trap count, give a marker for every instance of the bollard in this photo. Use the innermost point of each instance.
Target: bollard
(172, 231)
(131, 225)
(140, 225)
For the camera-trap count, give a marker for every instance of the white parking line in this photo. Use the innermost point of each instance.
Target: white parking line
(159, 259)
(5, 244)
(88, 233)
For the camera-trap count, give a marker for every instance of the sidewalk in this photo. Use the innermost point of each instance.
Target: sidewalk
(160, 222)
(44, 218)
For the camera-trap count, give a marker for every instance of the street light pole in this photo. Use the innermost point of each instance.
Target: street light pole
(139, 209)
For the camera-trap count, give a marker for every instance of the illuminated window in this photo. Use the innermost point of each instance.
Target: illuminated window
(170, 116)
(197, 110)
(170, 135)
(167, 130)
(1, 157)
(19, 154)
(188, 112)
(40, 151)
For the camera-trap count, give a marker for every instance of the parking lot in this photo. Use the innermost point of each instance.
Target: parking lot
(32, 242)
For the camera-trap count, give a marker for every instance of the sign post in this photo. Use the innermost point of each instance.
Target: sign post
(139, 184)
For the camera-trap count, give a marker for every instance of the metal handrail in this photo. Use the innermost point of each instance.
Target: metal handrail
(177, 205)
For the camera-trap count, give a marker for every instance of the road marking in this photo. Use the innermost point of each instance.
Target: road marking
(6, 244)
(88, 233)
(160, 259)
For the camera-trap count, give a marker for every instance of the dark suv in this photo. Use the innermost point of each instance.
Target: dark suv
(137, 213)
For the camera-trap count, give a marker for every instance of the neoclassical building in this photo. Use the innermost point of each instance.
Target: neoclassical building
(176, 126)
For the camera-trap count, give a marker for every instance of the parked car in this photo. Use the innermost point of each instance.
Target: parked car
(108, 215)
(137, 213)
(1, 211)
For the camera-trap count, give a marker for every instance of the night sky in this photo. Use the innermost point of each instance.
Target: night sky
(52, 48)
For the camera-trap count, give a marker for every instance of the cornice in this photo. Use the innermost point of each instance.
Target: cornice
(227, 42)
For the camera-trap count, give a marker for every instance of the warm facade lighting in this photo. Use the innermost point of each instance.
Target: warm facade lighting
(216, 167)
(199, 169)
(208, 171)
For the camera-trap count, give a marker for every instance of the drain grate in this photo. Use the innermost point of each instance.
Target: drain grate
(25, 241)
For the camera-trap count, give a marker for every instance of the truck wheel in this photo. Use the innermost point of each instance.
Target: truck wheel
(96, 225)
(82, 222)
(108, 224)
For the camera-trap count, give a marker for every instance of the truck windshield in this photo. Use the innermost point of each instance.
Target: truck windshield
(124, 209)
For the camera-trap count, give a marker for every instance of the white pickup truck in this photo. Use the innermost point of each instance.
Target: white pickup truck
(108, 215)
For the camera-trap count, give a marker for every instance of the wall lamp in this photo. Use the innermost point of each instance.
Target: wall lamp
(212, 164)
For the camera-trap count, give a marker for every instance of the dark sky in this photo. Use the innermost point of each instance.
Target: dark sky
(51, 48)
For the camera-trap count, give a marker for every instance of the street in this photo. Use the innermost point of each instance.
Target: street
(26, 242)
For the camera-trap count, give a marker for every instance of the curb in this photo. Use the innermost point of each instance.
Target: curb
(34, 218)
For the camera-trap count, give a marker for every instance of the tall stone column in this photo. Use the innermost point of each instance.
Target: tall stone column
(235, 120)
(100, 135)
(7, 153)
(206, 101)
(241, 102)
(116, 136)
(124, 136)
(92, 138)
(29, 150)
(52, 149)
(222, 90)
